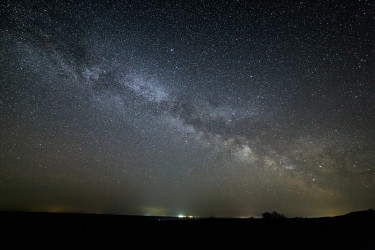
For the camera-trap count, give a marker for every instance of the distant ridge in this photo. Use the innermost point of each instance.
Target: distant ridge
(3, 214)
(370, 213)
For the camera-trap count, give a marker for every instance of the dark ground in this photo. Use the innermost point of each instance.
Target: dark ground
(351, 230)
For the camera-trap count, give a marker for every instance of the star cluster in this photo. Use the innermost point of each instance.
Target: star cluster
(208, 108)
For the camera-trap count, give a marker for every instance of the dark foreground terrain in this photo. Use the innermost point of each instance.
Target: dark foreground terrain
(356, 229)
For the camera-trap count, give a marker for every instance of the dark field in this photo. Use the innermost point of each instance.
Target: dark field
(356, 229)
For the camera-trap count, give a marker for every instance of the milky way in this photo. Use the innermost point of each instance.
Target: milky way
(206, 108)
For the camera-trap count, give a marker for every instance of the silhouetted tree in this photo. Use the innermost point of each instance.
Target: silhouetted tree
(266, 215)
(273, 215)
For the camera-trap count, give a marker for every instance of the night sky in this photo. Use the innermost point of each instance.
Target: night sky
(204, 108)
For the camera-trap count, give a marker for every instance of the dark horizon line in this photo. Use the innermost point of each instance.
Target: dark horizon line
(187, 217)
